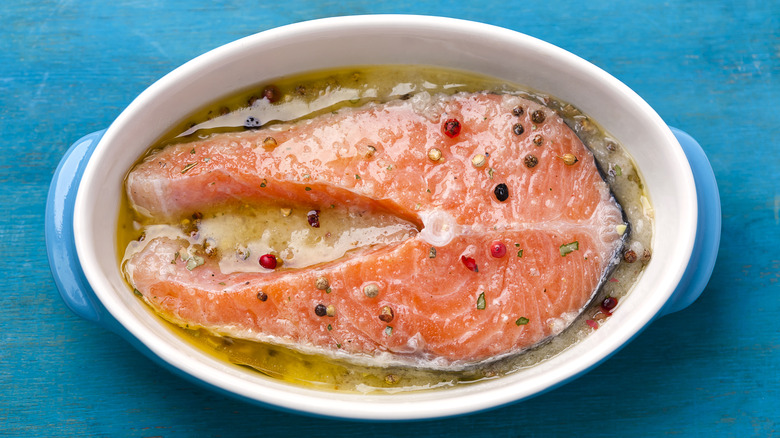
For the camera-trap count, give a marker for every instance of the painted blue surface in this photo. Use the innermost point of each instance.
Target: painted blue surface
(709, 68)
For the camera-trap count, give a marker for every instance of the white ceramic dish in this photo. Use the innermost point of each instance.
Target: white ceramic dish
(101, 295)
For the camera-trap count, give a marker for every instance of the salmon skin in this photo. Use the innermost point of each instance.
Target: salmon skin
(440, 298)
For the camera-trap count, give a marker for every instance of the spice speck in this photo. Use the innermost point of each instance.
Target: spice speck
(451, 128)
(268, 261)
(470, 263)
(371, 290)
(271, 93)
(386, 314)
(270, 143)
(569, 159)
(313, 218)
(497, 249)
(501, 192)
(608, 305)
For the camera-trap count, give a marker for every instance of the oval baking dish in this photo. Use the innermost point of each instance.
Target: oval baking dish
(83, 200)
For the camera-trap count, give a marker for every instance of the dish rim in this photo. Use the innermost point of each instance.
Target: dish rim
(440, 403)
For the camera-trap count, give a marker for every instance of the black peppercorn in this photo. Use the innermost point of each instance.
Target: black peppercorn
(530, 161)
(320, 310)
(502, 192)
(518, 129)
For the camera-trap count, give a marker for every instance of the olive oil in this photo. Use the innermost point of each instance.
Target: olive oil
(241, 232)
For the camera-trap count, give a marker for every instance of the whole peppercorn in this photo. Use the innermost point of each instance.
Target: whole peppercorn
(630, 256)
(451, 128)
(530, 161)
(320, 310)
(517, 111)
(569, 159)
(262, 296)
(271, 93)
(538, 140)
(538, 116)
(371, 290)
(313, 218)
(268, 261)
(322, 283)
(518, 129)
(497, 249)
(608, 304)
(501, 192)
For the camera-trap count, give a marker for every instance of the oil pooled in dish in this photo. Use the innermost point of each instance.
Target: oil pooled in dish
(494, 229)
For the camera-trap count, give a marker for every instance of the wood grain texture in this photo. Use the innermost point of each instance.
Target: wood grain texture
(67, 68)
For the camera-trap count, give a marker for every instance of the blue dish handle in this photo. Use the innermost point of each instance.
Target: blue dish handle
(705, 248)
(79, 297)
(60, 245)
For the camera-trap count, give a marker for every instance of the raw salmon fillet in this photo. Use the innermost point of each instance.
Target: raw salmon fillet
(445, 312)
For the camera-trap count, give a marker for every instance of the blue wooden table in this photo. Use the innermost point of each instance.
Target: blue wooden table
(68, 68)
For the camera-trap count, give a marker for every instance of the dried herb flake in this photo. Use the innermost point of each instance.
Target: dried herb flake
(566, 248)
(188, 167)
(481, 301)
(194, 261)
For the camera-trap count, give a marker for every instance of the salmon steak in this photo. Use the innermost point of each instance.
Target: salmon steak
(512, 230)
